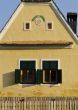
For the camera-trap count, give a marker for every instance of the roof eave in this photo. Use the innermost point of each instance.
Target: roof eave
(62, 18)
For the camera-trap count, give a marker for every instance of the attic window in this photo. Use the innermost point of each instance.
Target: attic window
(49, 26)
(27, 26)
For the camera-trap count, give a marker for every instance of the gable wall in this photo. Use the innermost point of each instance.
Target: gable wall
(38, 32)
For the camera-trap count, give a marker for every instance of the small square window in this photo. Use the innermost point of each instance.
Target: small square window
(49, 26)
(27, 26)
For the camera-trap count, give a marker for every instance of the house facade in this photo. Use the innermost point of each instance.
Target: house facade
(38, 52)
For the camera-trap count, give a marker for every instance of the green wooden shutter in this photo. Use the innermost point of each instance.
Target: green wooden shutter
(17, 75)
(39, 76)
(53, 76)
(59, 76)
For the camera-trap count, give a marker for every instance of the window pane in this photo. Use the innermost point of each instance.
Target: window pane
(45, 65)
(27, 65)
(49, 25)
(54, 76)
(46, 76)
(50, 76)
(28, 76)
(53, 64)
(50, 65)
(27, 26)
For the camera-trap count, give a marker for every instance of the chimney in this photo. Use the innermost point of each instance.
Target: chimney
(72, 21)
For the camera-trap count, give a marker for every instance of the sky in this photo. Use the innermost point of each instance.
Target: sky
(7, 7)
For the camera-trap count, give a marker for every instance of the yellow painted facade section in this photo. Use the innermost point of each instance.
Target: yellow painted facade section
(9, 58)
(16, 31)
(9, 61)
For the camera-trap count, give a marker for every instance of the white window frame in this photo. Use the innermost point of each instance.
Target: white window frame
(47, 25)
(24, 25)
(51, 60)
(27, 60)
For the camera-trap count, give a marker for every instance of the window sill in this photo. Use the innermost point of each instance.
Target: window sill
(49, 85)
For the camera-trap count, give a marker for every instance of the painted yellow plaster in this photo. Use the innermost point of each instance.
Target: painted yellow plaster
(9, 58)
(16, 31)
(9, 61)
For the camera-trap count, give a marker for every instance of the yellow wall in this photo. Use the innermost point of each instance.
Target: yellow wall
(37, 32)
(9, 58)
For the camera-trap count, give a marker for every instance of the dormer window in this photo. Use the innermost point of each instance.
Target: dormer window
(27, 26)
(49, 26)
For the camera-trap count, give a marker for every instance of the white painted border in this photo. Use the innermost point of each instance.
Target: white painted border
(47, 25)
(51, 60)
(24, 26)
(51, 85)
(27, 60)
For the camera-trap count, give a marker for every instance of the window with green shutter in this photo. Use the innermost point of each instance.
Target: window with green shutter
(51, 73)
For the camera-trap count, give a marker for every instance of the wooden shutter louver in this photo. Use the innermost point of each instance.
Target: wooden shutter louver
(39, 76)
(59, 76)
(17, 76)
(54, 76)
